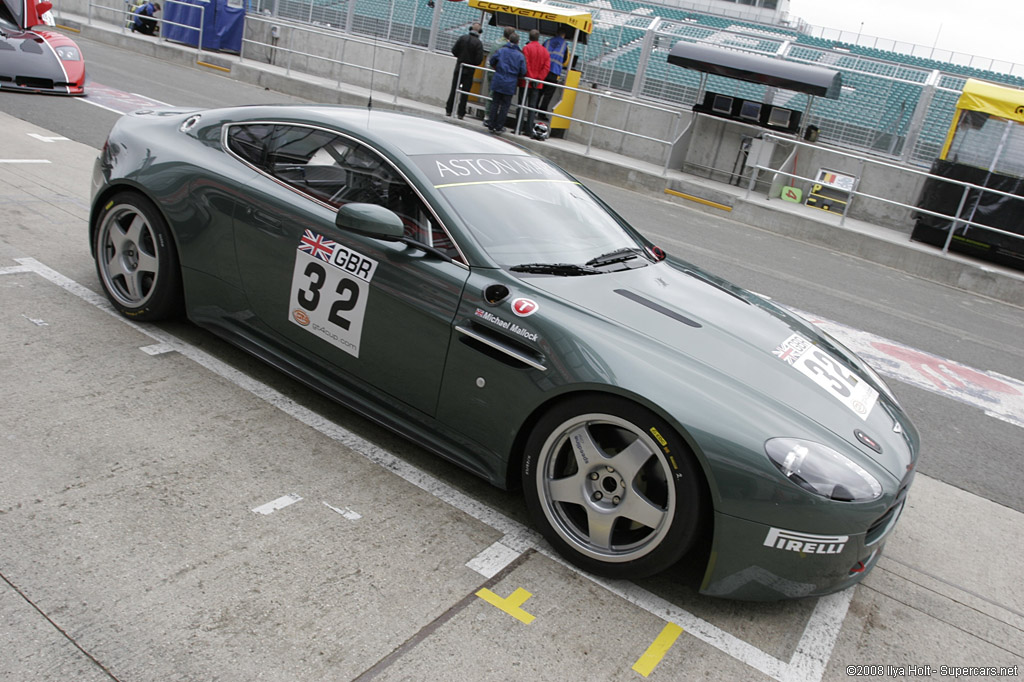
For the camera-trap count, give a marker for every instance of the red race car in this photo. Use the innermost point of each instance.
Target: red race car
(37, 60)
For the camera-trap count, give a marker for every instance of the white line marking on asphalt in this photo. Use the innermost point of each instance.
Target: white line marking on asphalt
(157, 349)
(814, 649)
(38, 323)
(101, 106)
(818, 637)
(346, 512)
(25, 161)
(45, 138)
(279, 503)
(156, 101)
(492, 560)
(14, 269)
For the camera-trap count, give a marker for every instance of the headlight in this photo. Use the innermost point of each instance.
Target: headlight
(68, 53)
(821, 470)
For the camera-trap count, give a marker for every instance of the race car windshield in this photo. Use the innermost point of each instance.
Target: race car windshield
(525, 211)
(7, 20)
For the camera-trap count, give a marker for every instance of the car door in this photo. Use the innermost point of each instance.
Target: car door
(370, 312)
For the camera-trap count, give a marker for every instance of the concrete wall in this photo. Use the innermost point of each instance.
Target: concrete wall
(617, 111)
(416, 73)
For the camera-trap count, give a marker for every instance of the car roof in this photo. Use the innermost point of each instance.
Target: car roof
(402, 133)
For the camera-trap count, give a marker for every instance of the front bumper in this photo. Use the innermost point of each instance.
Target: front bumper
(759, 562)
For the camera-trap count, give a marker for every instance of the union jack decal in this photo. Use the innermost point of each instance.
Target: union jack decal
(317, 246)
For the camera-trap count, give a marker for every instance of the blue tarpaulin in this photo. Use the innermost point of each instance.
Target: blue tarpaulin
(223, 23)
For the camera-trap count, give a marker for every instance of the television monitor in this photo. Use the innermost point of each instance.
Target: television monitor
(722, 104)
(750, 111)
(779, 117)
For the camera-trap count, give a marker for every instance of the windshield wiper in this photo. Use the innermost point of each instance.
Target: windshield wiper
(616, 256)
(561, 269)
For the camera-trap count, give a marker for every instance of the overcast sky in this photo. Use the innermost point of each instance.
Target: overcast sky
(987, 28)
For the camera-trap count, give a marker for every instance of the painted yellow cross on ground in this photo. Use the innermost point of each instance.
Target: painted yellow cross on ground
(510, 605)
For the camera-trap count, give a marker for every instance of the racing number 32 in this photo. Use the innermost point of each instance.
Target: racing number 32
(842, 384)
(330, 291)
(347, 290)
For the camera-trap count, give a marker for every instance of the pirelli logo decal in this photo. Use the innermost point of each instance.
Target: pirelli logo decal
(805, 543)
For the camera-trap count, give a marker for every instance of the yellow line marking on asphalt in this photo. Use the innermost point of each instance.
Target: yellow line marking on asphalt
(214, 66)
(510, 605)
(706, 202)
(646, 664)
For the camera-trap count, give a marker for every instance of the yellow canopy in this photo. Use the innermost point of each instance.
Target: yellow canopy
(989, 98)
(534, 10)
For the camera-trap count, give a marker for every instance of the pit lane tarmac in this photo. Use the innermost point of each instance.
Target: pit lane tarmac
(170, 512)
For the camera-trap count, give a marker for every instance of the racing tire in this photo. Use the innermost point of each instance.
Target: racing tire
(613, 487)
(136, 259)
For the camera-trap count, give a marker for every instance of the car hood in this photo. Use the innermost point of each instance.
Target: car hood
(25, 55)
(755, 342)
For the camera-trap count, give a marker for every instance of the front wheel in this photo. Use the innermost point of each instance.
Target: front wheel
(136, 259)
(613, 487)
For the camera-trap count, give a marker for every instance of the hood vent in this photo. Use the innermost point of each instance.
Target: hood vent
(654, 305)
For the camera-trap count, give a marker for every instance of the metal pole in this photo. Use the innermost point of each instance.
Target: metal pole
(956, 222)
(597, 115)
(202, 17)
(753, 179)
(435, 27)
(288, 47)
(853, 192)
(670, 142)
(398, 78)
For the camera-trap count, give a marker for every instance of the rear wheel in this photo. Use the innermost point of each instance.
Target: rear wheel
(613, 487)
(136, 259)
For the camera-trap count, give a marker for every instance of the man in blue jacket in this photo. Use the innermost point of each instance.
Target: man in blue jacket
(143, 19)
(509, 66)
(558, 48)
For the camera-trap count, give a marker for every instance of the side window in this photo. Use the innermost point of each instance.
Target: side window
(337, 171)
(248, 141)
(307, 159)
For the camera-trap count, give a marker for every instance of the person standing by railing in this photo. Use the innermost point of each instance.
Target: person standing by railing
(558, 49)
(509, 66)
(538, 63)
(468, 49)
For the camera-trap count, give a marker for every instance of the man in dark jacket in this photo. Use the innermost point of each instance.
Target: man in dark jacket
(558, 48)
(509, 66)
(143, 19)
(468, 50)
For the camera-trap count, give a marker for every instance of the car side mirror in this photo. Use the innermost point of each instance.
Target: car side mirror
(43, 7)
(370, 220)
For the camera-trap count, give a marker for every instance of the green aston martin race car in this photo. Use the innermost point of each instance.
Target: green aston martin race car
(484, 303)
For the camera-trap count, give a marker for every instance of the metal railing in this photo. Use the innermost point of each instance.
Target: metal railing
(127, 18)
(295, 31)
(591, 123)
(957, 218)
